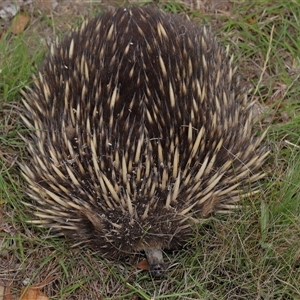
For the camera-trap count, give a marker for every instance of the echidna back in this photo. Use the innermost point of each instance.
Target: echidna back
(141, 127)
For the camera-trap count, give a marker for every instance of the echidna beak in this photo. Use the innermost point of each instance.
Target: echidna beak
(157, 270)
(156, 262)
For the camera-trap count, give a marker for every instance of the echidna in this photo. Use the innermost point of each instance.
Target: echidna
(139, 127)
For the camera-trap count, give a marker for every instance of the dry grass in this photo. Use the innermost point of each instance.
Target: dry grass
(253, 254)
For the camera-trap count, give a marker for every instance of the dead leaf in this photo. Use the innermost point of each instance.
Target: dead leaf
(19, 23)
(2, 32)
(33, 294)
(5, 293)
(143, 265)
(252, 20)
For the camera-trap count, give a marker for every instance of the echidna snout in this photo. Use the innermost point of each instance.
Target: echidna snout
(139, 126)
(156, 262)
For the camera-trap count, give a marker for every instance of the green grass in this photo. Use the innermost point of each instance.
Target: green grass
(252, 254)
